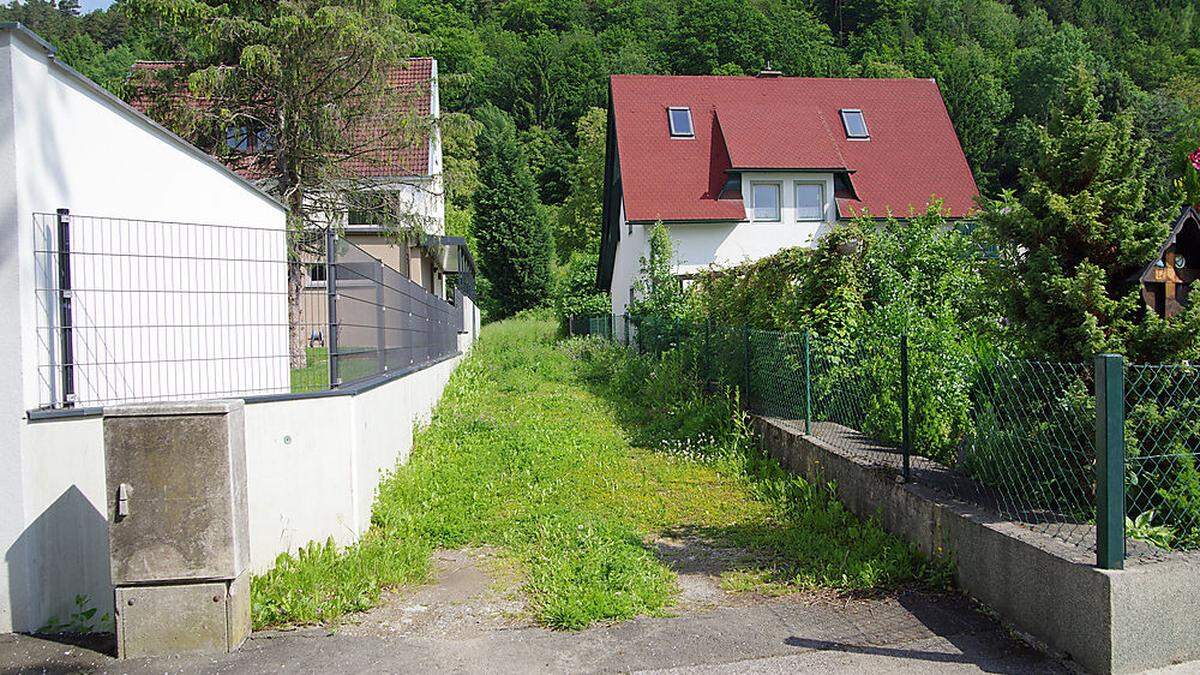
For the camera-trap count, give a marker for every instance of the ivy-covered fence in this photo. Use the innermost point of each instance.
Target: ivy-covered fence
(1098, 455)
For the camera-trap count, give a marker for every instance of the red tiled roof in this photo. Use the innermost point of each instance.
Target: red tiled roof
(785, 123)
(412, 82)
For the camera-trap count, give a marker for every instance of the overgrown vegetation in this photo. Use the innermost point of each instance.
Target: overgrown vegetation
(571, 459)
(1002, 67)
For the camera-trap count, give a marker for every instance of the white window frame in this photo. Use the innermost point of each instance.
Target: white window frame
(820, 185)
(778, 185)
(845, 126)
(671, 122)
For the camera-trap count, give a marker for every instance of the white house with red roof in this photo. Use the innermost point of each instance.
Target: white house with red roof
(739, 168)
(406, 178)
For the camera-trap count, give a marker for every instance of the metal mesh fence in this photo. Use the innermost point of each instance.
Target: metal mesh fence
(1016, 436)
(134, 311)
(381, 320)
(1162, 439)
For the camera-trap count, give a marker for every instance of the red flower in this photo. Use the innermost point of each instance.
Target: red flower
(1195, 158)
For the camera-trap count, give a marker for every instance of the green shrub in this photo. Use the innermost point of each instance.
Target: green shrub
(575, 291)
(864, 286)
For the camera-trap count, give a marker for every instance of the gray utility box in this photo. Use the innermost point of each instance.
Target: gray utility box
(178, 528)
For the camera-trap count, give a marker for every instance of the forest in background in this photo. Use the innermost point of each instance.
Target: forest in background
(1002, 67)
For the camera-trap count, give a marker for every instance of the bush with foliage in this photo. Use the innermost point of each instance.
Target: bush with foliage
(575, 291)
(657, 292)
(862, 287)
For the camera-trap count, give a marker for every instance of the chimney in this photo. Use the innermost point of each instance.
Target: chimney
(768, 72)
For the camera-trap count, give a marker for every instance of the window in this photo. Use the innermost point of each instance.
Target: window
(810, 201)
(238, 138)
(855, 123)
(732, 187)
(248, 140)
(765, 201)
(316, 273)
(372, 208)
(681, 122)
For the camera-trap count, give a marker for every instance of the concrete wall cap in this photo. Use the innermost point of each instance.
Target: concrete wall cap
(213, 407)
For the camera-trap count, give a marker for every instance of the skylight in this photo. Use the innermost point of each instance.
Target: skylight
(855, 123)
(681, 122)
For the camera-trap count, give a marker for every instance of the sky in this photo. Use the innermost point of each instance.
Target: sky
(86, 6)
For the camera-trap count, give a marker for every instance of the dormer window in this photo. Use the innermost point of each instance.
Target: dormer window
(680, 120)
(855, 123)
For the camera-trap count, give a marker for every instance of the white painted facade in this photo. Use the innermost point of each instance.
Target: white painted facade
(66, 143)
(313, 466)
(421, 200)
(701, 246)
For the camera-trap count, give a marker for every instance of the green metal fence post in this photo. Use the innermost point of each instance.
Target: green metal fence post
(746, 363)
(807, 383)
(905, 423)
(625, 319)
(1110, 461)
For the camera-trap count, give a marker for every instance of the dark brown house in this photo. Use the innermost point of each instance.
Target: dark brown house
(1167, 280)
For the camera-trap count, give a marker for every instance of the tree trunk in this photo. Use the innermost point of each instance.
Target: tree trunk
(297, 328)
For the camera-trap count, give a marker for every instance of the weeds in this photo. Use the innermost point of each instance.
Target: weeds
(568, 459)
(82, 620)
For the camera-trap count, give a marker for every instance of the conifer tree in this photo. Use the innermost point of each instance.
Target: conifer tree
(1072, 240)
(515, 248)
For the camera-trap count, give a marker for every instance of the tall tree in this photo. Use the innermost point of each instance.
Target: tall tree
(288, 88)
(579, 223)
(1075, 237)
(514, 242)
(977, 102)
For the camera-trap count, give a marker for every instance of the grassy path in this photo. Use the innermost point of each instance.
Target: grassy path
(569, 458)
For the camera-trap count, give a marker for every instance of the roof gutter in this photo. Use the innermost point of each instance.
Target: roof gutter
(795, 169)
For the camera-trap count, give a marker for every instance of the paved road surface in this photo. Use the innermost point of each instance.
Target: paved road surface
(467, 622)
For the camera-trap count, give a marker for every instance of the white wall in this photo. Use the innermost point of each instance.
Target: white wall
(62, 550)
(632, 246)
(313, 466)
(64, 143)
(697, 246)
(472, 322)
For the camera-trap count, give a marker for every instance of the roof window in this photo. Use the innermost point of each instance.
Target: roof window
(855, 123)
(680, 120)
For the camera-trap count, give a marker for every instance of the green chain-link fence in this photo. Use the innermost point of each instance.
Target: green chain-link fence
(1162, 439)
(1021, 437)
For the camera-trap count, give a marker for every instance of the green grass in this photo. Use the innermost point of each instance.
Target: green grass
(314, 376)
(569, 474)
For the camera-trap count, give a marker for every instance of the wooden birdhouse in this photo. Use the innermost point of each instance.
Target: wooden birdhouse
(1167, 280)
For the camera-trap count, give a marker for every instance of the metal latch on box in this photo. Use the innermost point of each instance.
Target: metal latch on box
(123, 500)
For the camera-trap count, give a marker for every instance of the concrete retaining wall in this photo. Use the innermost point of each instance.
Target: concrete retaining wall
(313, 465)
(1107, 621)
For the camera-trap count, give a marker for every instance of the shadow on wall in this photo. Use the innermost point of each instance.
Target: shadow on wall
(61, 555)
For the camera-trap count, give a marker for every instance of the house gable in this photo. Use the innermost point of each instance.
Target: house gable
(911, 154)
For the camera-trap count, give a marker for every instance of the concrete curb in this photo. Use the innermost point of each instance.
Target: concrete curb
(1107, 621)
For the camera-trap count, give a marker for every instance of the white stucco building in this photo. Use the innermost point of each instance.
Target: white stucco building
(739, 168)
(67, 143)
